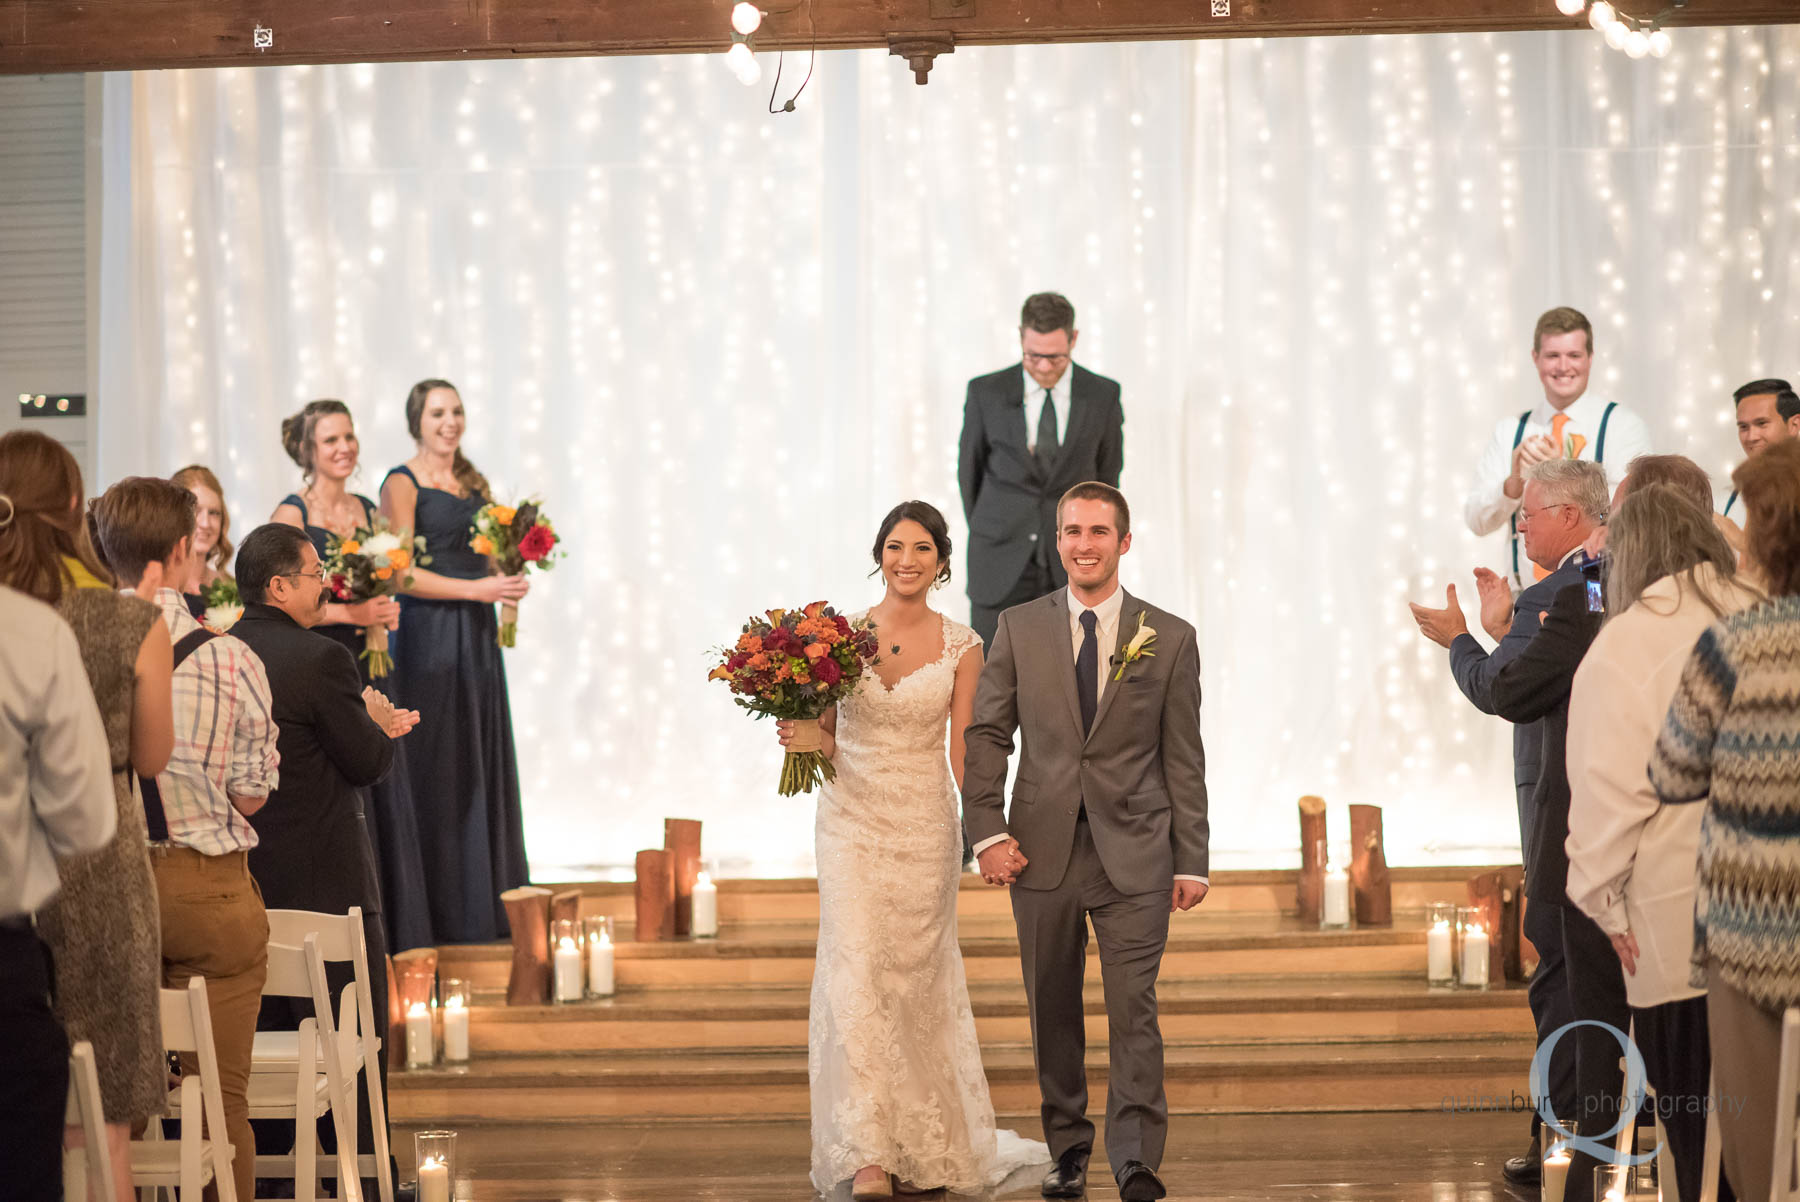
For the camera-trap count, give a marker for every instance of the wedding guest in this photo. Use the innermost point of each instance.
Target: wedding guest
(1556, 516)
(321, 439)
(1732, 741)
(1031, 431)
(1768, 413)
(212, 535)
(56, 802)
(447, 665)
(337, 735)
(1631, 860)
(1568, 423)
(102, 926)
(221, 771)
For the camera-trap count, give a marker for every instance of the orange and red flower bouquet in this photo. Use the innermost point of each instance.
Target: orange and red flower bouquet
(514, 537)
(794, 664)
(372, 561)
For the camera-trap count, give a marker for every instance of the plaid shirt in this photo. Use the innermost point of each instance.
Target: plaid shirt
(224, 739)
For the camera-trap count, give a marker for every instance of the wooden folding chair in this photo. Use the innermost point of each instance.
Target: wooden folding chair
(194, 1160)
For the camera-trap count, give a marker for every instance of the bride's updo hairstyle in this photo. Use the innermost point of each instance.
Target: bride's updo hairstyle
(927, 515)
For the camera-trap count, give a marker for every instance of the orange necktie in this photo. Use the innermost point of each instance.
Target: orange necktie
(1557, 425)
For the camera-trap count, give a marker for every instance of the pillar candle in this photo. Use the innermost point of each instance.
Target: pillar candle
(1437, 953)
(1337, 898)
(600, 967)
(706, 907)
(456, 1031)
(1475, 958)
(434, 1180)
(419, 1050)
(1556, 1176)
(568, 971)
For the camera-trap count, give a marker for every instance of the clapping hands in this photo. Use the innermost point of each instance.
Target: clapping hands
(395, 722)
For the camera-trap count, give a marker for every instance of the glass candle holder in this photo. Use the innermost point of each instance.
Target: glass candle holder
(597, 936)
(1472, 948)
(421, 1041)
(1440, 945)
(436, 1151)
(457, 1001)
(1557, 1159)
(1334, 913)
(706, 903)
(565, 961)
(1625, 1183)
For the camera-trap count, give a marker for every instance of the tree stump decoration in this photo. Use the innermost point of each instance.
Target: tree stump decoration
(1370, 888)
(655, 895)
(1310, 891)
(1499, 896)
(681, 839)
(566, 904)
(528, 912)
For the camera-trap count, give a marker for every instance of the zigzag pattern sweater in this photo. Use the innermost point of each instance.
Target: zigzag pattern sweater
(1732, 739)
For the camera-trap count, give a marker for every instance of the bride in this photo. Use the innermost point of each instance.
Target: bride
(899, 1098)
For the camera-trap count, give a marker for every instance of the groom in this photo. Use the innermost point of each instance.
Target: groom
(1108, 821)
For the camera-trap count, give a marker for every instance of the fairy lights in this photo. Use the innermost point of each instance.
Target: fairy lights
(1317, 307)
(1636, 36)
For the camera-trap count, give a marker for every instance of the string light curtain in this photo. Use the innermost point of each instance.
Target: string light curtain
(721, 346)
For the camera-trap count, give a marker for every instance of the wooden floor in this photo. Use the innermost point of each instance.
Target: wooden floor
(1421, 1157)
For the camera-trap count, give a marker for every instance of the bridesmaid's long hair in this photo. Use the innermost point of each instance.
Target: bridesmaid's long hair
(460, 467)
(197, 473)
(47, 522)
(297, 432)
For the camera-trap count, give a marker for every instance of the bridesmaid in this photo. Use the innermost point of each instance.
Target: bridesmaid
(103, 929)
(321, 439)
(212, 526)
(447, 666)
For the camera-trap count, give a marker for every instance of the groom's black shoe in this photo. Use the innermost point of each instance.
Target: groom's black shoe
(1069, 1178)
(1138, 1184)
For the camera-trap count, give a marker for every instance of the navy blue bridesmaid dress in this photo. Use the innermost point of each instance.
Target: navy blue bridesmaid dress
(388, 805)
(465, 776)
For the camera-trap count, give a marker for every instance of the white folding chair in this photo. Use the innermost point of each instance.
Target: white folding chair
(312, 1084)
(193, 1160)
(1625, 1144)
(1787, 1085)
(340, 940)
(91, 1162)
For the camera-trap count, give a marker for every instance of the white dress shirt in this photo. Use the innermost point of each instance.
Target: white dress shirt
(1488, 507)
(56, 785)
(1034, 405)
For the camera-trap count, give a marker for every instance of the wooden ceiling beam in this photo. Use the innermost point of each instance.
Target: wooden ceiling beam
(43, 36)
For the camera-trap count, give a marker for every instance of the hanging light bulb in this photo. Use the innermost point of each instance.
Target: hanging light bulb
(1601, 15)
(1616, 33)
(743, 64)
(1637, 43)
(1569, 8)
(1661, 43)
(746, 17)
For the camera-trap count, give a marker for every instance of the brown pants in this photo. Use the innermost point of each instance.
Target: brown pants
(1746, 1050)
(214, 926)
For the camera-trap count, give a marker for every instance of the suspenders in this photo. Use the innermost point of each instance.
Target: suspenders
(156, 824)
(1599, 457)
(1730, 501)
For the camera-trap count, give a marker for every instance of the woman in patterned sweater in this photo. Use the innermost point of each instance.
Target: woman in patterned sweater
(1732, 739)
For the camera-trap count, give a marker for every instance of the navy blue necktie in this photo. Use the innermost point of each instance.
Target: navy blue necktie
(1047, 442)
(1087, 671)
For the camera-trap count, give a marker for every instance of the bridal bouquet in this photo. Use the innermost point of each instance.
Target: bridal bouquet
(794, 664)
(371, 561)
(223, 605)
(513, 537)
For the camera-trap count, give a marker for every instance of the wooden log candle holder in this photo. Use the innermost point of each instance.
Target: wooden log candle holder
(655, 895)
(1310, 891)
(566, 904)
(681, 839)
(1370, 887)
(528, 911)
(1499, 896)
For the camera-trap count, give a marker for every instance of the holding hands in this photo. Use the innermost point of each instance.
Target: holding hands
(1002, 862)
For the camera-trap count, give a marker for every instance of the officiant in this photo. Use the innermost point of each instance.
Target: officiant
(1031, 431)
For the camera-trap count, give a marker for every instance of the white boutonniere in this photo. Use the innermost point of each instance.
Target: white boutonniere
(1142, 639)
(220, 618)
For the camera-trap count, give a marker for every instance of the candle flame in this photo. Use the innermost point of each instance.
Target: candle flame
(702, 879)
(566, 942)
(417, 1009)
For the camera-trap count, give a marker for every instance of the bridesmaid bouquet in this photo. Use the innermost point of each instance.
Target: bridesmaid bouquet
(223, 605)
(371, 561)
(794, 664)
(513, 537)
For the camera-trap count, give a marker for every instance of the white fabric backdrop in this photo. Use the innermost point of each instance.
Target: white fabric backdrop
(722, 344)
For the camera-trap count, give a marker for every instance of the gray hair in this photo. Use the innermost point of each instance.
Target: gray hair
(1576, 482)
(1659, 531)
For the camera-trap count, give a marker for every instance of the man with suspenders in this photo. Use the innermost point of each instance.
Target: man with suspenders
(1768, 412)
(1568, 423)
(196, 811)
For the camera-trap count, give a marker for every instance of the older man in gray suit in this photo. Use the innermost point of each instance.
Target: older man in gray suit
(1108, 820)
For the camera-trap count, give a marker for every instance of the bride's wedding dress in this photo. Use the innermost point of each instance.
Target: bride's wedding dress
(892, 1055)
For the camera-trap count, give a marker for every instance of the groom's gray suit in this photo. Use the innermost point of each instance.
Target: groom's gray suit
(1106, 821)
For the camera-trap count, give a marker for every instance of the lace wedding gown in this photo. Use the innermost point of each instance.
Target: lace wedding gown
(892, 1055)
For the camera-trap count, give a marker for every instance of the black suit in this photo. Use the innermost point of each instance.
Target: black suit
(1534, 686)
(1475, 671)
(313, 850)
(1009, 496)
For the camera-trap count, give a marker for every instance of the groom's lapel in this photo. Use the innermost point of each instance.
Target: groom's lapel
(1128, 613)
(1061, 646)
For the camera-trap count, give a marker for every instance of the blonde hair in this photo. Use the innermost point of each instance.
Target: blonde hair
(195, 473)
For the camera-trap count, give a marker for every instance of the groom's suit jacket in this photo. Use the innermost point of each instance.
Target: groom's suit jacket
(1140, 772)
